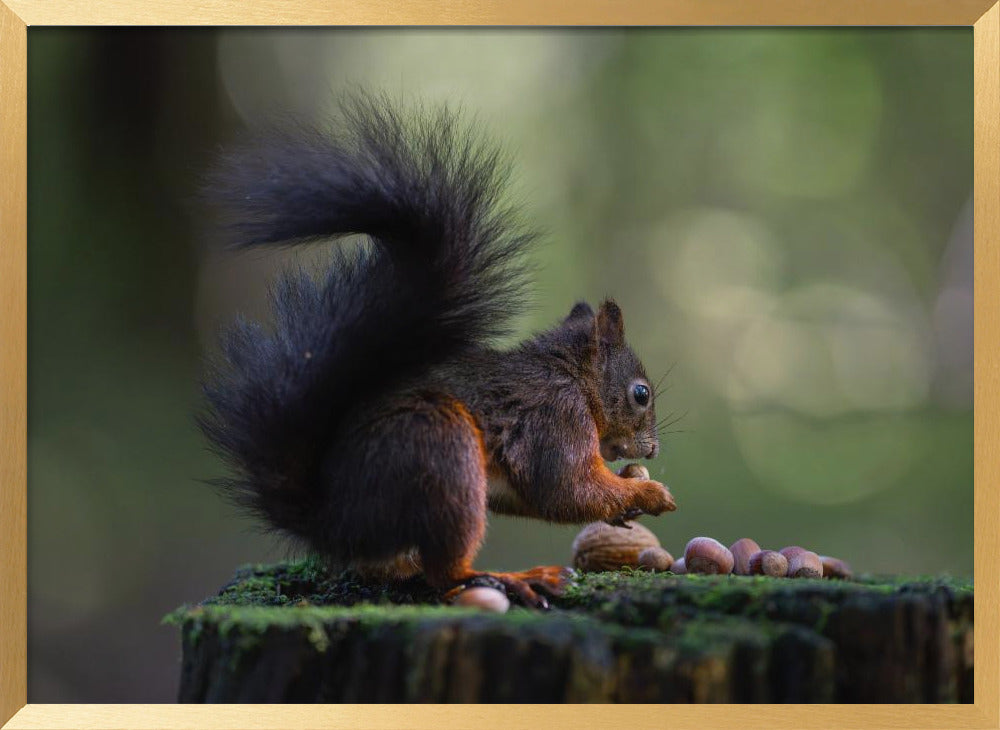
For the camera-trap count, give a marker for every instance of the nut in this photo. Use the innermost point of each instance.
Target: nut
(802, 563)
(835, 568)
(487, 599)
(600, 546)
(707, 555)
(656, 559)
(742, 549)
(768, 562)
(679, 568)
(634, 471)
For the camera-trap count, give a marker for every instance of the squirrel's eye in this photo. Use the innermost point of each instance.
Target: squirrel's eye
(640, 393)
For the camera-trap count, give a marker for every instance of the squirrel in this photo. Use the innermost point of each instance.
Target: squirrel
(374, 421)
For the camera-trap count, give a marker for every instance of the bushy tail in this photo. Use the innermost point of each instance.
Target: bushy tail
(444, 273)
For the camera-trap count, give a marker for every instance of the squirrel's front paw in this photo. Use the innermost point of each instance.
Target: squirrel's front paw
(649, 498)
(654, 498)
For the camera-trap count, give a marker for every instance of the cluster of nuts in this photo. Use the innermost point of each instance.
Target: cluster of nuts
(600, 546)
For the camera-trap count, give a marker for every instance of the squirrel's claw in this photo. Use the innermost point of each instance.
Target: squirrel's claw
(527, 586)
(622, 520)
(526, 594)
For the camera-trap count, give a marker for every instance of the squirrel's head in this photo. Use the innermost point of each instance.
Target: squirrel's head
(622, 393)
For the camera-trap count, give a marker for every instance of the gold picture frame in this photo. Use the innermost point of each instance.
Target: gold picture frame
(17, 15)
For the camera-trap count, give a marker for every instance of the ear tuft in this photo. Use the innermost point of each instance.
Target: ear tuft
(610, 324)
(580, 311)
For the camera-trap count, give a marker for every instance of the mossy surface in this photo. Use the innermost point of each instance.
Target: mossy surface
(307, 583)
(640, 598)
(618, 636)
(626, 597)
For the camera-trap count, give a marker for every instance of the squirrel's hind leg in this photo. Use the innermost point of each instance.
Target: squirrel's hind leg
(403, 566)
(449, 456)
(427, 484)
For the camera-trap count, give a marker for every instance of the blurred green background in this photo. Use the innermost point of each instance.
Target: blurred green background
(784, 215)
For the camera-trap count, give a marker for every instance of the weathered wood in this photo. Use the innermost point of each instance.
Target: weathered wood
(290, 633)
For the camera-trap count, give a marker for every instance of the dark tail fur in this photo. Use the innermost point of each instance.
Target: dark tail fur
(444, 273)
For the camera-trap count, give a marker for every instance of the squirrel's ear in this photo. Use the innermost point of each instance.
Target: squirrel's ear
(580, 330)
(581, 311)
(610, 324)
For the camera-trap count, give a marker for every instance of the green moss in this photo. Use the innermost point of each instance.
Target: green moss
(177, 616)
(709, 634)
(308, 582)
(729, 592)
(667, 601)
(245, 629)
(627, 635)
(692, 610)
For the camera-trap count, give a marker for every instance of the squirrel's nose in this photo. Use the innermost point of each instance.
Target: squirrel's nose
(653, 451)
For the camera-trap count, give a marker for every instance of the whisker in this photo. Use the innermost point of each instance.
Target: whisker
(664, 423)
(670, 433)
(663, 420)
(669, 415)
(664, 376)
(657, 394)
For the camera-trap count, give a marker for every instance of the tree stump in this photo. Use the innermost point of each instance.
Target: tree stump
(292, 633)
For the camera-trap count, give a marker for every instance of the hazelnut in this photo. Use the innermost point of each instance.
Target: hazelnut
(600, 546)
(835, 568)
(634, 471)
(487, 599)
(802, 563)
(742, 549)
(707, 555)
(768, 562)
(679, 568)
(656, 559)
